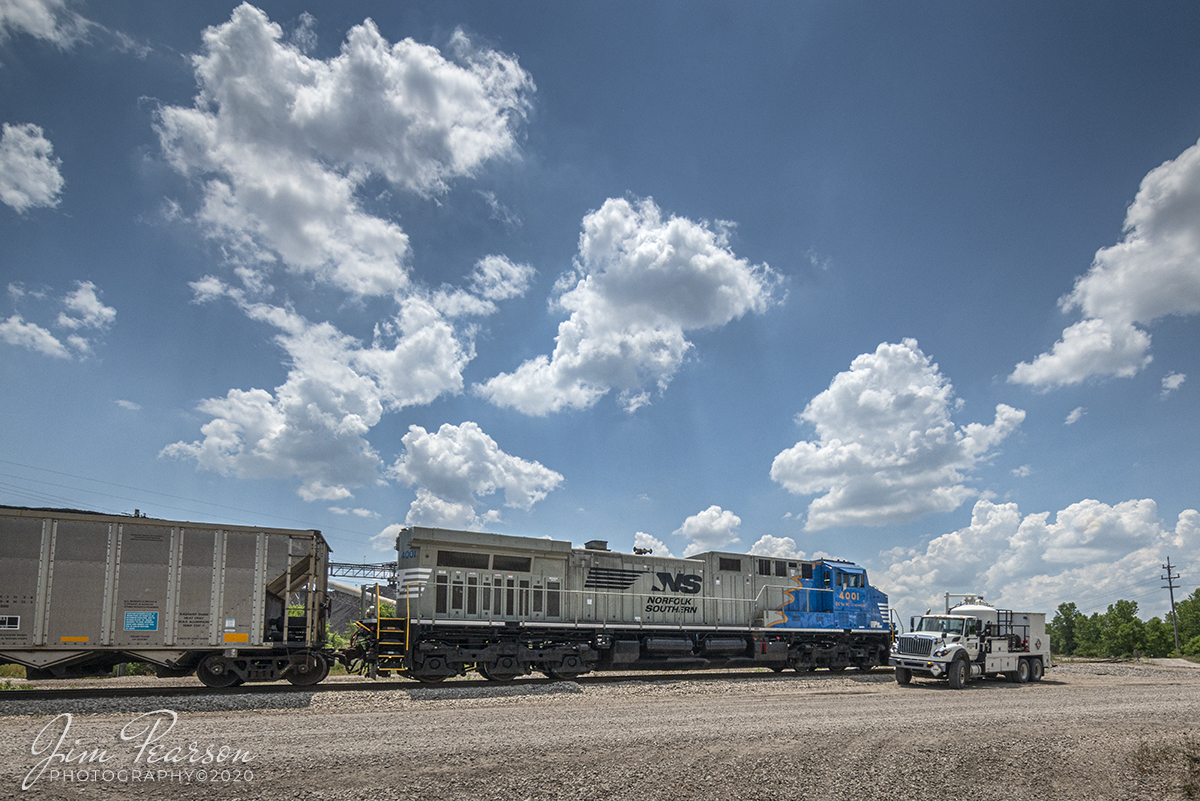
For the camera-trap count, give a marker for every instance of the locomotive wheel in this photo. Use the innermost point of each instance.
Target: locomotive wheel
(430, 679)
(312, 670)
(504, 669)
(568, 669)
(836, 668)
(214, 671)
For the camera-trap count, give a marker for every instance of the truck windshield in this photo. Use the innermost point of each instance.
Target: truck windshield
(941, 625)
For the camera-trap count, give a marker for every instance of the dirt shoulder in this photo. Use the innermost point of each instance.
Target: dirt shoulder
(1088, 732)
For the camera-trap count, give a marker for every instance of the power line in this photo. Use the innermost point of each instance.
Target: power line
(1170, 579)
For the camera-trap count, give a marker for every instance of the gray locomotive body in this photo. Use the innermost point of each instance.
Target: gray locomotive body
(508, 605)
(81, 592)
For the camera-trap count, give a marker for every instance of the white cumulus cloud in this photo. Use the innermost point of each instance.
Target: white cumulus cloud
(313, 427)
(1090, 550)
(84, 312)
(1153, 272)
(640, 282)
(713, 529)
(1171, 382)
(50, 20)
(1074, 416)
(778, 547)
(887, 450)
(656, 546)
(282, 142)
(15, 331)
(29, 175)
(456, 467)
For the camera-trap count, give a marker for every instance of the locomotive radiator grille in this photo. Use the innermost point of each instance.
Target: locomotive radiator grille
(915, 646)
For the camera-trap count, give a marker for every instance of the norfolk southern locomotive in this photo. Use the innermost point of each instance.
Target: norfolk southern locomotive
(81, 592)
(507, 606)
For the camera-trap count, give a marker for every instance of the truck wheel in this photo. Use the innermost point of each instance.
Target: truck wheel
(1036, 671)
(958, 674)
(903, 675)
(1022, 671)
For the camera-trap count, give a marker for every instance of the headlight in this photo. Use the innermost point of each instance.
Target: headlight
(941, 652)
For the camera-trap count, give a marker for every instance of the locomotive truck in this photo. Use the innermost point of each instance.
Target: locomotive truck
(973, 639)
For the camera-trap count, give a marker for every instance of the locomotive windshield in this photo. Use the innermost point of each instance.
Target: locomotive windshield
(940, 625)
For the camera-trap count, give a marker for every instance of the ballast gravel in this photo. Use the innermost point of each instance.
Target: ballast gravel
(1088, 731)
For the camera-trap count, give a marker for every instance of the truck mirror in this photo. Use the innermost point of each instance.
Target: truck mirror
(912, 623)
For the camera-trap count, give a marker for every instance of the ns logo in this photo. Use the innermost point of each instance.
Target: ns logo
(688, 584)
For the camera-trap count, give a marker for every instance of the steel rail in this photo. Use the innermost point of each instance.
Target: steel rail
(406, 685)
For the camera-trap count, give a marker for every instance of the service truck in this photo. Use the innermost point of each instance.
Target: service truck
(973, 639)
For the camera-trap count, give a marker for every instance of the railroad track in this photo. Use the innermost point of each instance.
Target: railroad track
(384, 685)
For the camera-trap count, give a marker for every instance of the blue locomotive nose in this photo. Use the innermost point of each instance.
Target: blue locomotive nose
(837, 596)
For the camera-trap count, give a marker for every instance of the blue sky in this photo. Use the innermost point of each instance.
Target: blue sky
(914, 287)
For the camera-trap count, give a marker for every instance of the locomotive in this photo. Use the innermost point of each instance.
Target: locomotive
(81, 592)
(506, 606)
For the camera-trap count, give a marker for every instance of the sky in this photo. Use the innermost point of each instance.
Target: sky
(917, 287)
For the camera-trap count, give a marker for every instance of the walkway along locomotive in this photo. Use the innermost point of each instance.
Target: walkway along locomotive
(510, 605)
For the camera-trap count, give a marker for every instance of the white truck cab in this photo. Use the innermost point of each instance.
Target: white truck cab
(973, 639)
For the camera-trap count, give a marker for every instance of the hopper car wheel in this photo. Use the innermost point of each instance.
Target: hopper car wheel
(779, 669)
(310, 671)
(214, 671)
(836, 668)
(811, 668)
(903, 675)
(1036, 671)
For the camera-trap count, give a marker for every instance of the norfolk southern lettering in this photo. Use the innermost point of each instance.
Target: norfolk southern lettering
(671, 603)
(687, 584)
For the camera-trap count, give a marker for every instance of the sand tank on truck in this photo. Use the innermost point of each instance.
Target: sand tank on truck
(973, 639)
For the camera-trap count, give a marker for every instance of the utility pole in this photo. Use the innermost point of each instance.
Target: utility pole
(1170, 585)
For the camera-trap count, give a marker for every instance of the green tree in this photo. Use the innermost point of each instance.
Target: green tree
(1160, 638)
(1188, 613)
(1062, 629)
(1087, 636)
(1122, 632)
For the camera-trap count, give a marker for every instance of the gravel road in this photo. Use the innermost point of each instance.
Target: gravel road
(1089, 731)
